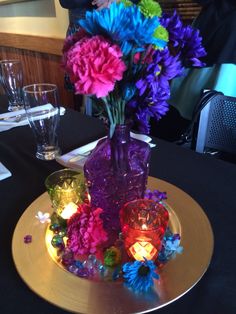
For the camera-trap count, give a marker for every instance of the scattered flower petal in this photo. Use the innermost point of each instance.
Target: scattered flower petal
(43, 217)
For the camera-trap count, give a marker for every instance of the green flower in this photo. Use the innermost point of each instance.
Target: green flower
(150, 8)
(162, 36)
(127, 3)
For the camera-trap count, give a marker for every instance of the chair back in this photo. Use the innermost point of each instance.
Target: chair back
(217, 125)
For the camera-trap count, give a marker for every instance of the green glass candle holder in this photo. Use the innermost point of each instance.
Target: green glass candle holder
(67, 190)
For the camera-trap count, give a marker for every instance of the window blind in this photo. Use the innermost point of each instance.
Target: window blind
(187, 9)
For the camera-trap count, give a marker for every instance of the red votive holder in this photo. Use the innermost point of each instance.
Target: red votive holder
(143, 224)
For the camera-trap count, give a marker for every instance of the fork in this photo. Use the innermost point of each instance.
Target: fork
(17, 118)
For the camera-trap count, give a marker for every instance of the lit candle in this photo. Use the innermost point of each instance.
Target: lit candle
(65, 186)
(143, 249)
(69, 210)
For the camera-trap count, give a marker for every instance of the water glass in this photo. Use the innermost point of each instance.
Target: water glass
(11, 77)
(43, 111)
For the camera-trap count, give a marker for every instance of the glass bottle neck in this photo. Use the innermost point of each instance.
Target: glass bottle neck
(121, 134)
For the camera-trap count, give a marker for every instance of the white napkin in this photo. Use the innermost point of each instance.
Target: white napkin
(16, 118)
(4, 172)
(76, 158)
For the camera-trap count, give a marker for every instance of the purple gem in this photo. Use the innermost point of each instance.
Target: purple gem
(83, 272)
(67, 258)
(28, 239)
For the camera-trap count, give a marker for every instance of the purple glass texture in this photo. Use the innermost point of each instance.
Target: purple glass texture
(116, 172)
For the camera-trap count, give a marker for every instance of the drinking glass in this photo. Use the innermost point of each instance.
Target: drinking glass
(43, 111)
(11, 77)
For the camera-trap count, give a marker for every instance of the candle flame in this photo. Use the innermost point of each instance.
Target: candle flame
(141, 250)
(69, 210)
(144, 227)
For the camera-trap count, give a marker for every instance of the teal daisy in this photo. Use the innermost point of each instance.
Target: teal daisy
(126, 26)
(139, 275)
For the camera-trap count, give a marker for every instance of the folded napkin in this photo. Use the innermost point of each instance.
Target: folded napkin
(4, 172)
(76, 158)
(16, 118)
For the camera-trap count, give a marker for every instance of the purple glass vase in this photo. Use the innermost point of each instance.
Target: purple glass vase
(116, 172)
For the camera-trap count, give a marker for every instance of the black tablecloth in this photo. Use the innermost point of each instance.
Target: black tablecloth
(211, 182)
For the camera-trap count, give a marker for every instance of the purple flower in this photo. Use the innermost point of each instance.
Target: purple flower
(192, 48)
(185, 40)
(174, 26)
(163, 68)
(154, 89)
(142, 108)
(155, 195)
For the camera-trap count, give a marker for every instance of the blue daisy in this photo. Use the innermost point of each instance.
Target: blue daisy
(125, 25)
(139, 275)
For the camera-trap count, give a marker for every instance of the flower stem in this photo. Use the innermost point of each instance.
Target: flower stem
(111, 117)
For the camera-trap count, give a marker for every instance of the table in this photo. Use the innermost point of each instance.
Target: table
(209, 181)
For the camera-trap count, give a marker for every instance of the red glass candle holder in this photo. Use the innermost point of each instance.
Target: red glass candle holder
(143, 224)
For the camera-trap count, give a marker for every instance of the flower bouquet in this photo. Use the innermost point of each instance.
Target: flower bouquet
(127, 55)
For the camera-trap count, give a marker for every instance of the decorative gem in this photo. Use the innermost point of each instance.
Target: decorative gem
(55, 227)
(57, 241)
(139, 275)
(112, 256)
(117, 273)
(57, 222)
(43, 217)
(62, 233)
(27, 239)
(143, 226)
(67, 257)
(85, 231)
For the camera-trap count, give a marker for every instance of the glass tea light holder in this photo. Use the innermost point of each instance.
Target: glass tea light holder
(67, 190)
(143, 224)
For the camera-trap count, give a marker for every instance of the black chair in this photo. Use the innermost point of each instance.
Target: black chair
(216, 129)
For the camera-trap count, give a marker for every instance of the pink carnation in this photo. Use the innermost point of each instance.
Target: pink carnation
(85, 231)
(94, 65)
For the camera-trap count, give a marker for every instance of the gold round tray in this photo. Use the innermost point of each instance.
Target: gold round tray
(40, 272)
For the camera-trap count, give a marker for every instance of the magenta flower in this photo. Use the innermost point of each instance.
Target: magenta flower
(85, 231)
(94, 65)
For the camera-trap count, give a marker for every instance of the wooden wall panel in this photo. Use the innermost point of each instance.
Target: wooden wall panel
(187, 9)
(38, 67)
